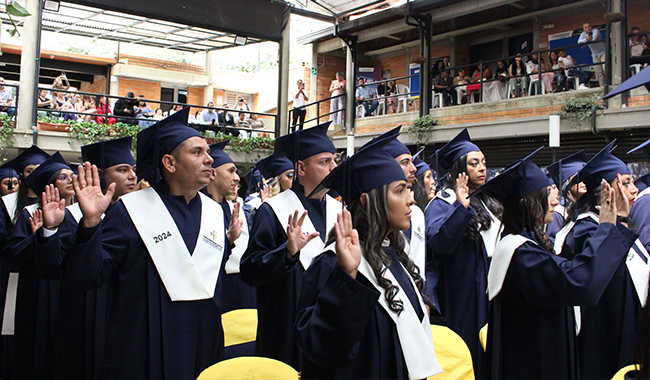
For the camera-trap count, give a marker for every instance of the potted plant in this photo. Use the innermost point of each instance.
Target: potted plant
(422, 128)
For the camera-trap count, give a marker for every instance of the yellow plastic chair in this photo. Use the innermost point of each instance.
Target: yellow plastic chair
(452, 354)
(482, 336)
(239, 326)
(620, 375)
(249, 367)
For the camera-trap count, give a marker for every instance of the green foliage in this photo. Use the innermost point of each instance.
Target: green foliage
(14, 9)
(89, 133)
(248, 145)
(422, 128)
(580, 107)
(6, 133)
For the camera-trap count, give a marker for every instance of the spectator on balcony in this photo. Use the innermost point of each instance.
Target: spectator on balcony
(175, 108)
(568, 64)
(241, 122)
(438, 67)
(226, 118)
(384, 91)
(475, 85)
(44, 101)
(125, 107)
(364, 96)
(76, 101)
(242, 105)
(560, 77)
(337, 104)
(61, 82)
(60, 103)
(460, 84)
(7, 99)
(641, 51)
(518, 77)
(535, 65)
(590, 34)
(209, 116)
(256, 123)
(299, 99)
(158, 114)
(443, 83)
(104, 109)
(635, 42)
(88, 107)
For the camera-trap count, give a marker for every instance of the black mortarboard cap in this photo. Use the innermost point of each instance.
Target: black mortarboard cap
(32, 156)
(604, 165)
(645, 148)
(305, 143)
(455, 149)
(273, 166)
(40, 177)
(562, 170)
(219, 156)
(105, 154)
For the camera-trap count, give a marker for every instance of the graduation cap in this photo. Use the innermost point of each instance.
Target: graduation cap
(32, 156)
(387, 137)
(7, 171)
(369, 168)
(603, 165)
(645, 148)
(160, 139)
(641, 78)
(421, 167)
(562, 170)
(41, 176)
(642, 182)
(455, 149)
(519, 179)
(218, 155)
(105, 154)
(273, 166)
(305, 143)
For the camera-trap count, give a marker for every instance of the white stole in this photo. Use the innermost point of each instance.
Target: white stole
(491, 235)
(449, 197)
(75, 210)
(644, 192)
(414, 335)
(286, 203)
(10, 201)
(186, 277)
(232, 265)
(638, 259)
(255, 202)
(501, 261)
(416, 245)
(9, 317)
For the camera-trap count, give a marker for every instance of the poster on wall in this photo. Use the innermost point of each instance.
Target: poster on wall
(370, 75)
(414, 81)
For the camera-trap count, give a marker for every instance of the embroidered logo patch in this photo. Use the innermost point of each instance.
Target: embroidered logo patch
(212, 240)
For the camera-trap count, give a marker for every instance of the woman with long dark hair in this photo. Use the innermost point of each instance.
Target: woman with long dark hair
(608, 326)
(461, 235)
(361, 312)
(37, 299)
(532, 330)
(424, 186)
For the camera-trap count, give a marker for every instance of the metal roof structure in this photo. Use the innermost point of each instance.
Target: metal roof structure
(98, 23)
(345, 8)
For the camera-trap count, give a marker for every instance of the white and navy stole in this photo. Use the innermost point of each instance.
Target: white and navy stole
(645, 191)
(186, 277)
(10, 201)
(9, 317)
(637, 258)
(286, 203)
(76, 212)
(255, 202)
(232, 265)
(416, 243)
(491, 235)
(447, 195)
(414, 335)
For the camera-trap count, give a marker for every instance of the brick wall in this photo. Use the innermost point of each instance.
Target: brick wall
(639, 101)
(328, 66)
(98, 86)
(162, 64)
(194, 96)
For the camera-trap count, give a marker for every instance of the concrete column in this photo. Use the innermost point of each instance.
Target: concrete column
(313, 87)
(537, 31)
(29, 66)
(208, 90)
(282, 125)
(350, 79)
(617, 54)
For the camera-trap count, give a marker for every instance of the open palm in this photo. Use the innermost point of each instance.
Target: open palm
(296, 240)
(92, 202)
(348, 248)
(53, 206)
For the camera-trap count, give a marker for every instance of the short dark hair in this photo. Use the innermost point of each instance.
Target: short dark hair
(129, 94)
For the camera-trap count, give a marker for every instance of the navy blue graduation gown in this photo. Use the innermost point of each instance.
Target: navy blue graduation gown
(609, 326)
(79, 328)
(147, 335)
(37, 302)
(236, 293)
(342, 330)
(640, 218)
(456, 274)
(532, 325)
(277, 279)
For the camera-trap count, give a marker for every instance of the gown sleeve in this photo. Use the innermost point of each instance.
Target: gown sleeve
(334, 309)
(446, 226)
(20, 240)
(640, 218)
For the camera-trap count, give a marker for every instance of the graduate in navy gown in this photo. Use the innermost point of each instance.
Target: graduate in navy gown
(223, 186)
(640, 211)
(457, 258)
(424, 186)
(561, 172)
(163, 318)
(37, 297)
(278, 171)
(361, 313)
(8, 179)
(23, 164)
(271, 265)
(532, 328)
(82, 314)
(608, 327)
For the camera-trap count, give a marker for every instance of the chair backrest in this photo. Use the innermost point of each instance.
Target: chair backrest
(403, 89)
(452, 354)
(620, 375)
(249, 367)
(239, 326)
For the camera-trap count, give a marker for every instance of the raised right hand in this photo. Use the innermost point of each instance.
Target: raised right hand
(607, 204)
(92, 202)
(296, 240)
(53, 207)
(462, 190)
(348, 247)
